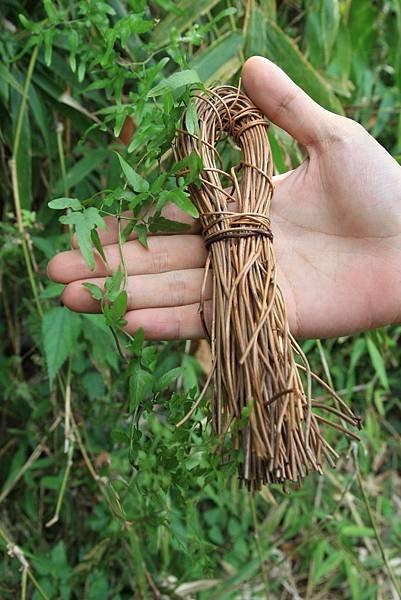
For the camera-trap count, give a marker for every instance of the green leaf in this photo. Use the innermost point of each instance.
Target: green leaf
(58, 556)
(377, 362)
(357, 531)
(60, 330)
(141, 231)
(23, 158)
(167, 379)
(5, 75)
(136, 181)
(162, 224)
(330, 21)
(180, 199)
(95, 290)
(191, 372)
(62, 203)
(256, 34)
(189, 13)
(91, 161)
(85, 222)
(277, 152)
(119, 306)
(191, 118)
(53, 290)
(175, 81)
(140, 385)
(128, 229)
(136, 343)
(112, 285)
(220, 60)
(98, 244)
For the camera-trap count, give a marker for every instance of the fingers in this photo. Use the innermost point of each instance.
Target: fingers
(285, 103)
(170, 323)
(170, 211)
(173, 288)
(165, 253)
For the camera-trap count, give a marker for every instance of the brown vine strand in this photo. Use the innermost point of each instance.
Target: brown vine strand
(253, 351)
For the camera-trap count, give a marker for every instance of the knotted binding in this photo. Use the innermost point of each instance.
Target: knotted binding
(234, 225)
(254, 369)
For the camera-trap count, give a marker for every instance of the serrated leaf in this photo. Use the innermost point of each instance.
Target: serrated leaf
(60, 330)
(140, 384)
(62, 203)
(84, 223)
(136, 181)
(167, 379)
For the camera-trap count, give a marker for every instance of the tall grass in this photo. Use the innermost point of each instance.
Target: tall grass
(90, 505)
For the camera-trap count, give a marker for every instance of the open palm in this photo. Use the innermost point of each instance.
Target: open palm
(336, 221)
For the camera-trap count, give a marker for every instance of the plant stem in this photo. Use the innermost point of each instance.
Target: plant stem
(33, 457)
(129, 527)
(258, 545)
(63, 487)
(14, 179)
(372, 519)
(138, 561)
(16, 552)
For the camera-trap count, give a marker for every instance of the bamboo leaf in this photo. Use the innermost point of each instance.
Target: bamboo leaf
(221, 59)
(377, 362)
(82, 168)
(281, 49)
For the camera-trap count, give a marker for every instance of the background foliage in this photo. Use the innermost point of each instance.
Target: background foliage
(100, 496)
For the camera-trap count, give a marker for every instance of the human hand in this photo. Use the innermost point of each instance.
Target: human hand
(336, 221)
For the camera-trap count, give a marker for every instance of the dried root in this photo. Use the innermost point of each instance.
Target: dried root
(253, 351)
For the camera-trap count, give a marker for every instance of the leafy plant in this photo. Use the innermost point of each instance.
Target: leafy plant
(101, 495)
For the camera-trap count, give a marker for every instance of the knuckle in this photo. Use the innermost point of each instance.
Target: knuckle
(177, 324)
(286, 102)
(177, 288)
(339, 129)
(160, 261)
(344, 127)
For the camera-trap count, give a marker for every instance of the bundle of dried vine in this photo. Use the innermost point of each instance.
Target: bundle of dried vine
(251, 345)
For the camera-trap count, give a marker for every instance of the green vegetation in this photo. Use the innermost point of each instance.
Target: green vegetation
(100, 495)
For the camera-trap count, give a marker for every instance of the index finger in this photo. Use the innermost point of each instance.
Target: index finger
(170, 211)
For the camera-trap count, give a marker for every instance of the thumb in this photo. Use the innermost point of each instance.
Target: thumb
(285, 103)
